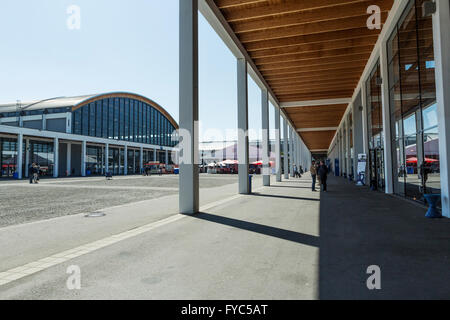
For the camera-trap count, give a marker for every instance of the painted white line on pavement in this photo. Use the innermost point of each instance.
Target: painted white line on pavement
(64, 256)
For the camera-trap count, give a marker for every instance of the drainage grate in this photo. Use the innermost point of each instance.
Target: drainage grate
(96, 214)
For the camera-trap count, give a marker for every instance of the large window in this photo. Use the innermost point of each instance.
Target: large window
(413, 105)
(8, 157)
(123, 119)
(375, 129)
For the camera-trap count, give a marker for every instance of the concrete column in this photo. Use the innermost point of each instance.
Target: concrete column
(125, 161)
(441, 23)
(27, 156)
(348, 155)
(56, 158)
(119, 161)
(358, 135)
(167, 157)
(265, 137)
(277, 144)
(291, 150)
(44, 122)
(386, 120)
(106, 158)
(286, 149)
(189, 184)
(83, 158)
(243, 154)
(19, 155)
(155, 152)
(295, 148)
(134, 161)
(141, 158)
(69, 158)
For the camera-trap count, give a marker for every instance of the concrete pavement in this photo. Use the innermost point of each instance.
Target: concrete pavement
(283, 242)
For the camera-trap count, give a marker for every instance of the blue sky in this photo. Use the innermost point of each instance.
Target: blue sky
(121, 46)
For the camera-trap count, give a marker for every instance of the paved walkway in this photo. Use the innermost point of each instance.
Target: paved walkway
(283, 242)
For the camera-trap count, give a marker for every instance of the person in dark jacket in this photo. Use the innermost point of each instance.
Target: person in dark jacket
(30, 172)
(313, 171)
(323, 174)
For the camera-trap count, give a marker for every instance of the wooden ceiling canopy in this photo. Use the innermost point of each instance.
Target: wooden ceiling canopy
(307, 50)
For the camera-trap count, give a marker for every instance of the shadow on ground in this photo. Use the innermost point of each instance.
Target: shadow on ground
(360, 228)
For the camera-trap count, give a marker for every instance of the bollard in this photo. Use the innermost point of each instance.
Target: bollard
(250, 183)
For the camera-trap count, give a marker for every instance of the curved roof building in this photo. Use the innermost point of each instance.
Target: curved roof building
(110, 123)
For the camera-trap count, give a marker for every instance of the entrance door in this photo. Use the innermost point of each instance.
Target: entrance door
(376, 168)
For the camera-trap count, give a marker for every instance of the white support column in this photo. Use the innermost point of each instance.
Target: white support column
(56, 158)
(188, 104)
(167, 157)
(291, 150)
(119, 161)
(83, 158)
(441, 23)
(134, 161)
(277, 144)
(286, 149)
(19, 155)
(69, 158)
(347, 150)
(364, 119)
(265, 137)
(243, 154)
(106, 158)
(155, 152)
(44, 122)
(141, 159)
(125, 160)
(27, 156)
(386, 120)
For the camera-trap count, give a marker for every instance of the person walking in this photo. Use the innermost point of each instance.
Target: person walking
(30, 172)
(317, 171)
(323, 174)
(35, 172)
(313, 171)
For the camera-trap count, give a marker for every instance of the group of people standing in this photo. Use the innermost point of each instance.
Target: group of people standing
(33, 173)
(320, 171)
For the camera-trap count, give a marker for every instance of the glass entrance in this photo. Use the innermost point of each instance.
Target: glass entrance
(414, 119)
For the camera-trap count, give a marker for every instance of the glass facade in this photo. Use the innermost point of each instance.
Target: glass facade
(414, 119)
(375, 129)
(94, 160)
(42, 154)
(8, 157)
(124, 119)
